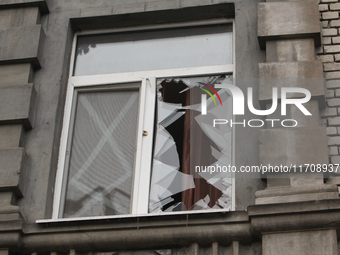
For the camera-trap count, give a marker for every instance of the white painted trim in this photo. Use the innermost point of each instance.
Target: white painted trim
(139, 150)
(147, 144)
(92, 80)
(233, 143)
(63, 139)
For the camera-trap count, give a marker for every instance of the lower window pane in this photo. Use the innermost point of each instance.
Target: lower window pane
(102, 153)
(187, 145)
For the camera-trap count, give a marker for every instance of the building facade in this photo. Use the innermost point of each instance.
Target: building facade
(52, 55)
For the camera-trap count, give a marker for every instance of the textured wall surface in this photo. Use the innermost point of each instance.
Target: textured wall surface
(329, 53)
(34, 65)
(276, 39)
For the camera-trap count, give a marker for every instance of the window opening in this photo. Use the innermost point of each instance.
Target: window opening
(185, 140)
(106, 165)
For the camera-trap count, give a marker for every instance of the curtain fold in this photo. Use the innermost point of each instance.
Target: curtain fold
(196, 147)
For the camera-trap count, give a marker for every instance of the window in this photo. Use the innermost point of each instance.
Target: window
(134, 140)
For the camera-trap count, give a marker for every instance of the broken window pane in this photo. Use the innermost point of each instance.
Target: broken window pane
(186, 140)
(102, 153)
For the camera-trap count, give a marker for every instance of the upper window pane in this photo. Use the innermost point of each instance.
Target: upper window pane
(154, 50)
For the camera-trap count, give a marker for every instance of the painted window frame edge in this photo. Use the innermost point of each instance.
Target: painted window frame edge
(148, 83)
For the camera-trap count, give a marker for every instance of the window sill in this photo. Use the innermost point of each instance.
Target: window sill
(131, 216)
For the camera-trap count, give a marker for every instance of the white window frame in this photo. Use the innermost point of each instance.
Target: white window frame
(143, 162)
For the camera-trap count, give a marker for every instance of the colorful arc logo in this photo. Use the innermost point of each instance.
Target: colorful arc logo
(207, 91)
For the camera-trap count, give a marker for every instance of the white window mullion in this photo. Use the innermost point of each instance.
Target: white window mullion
(144, 147)
(101, 79)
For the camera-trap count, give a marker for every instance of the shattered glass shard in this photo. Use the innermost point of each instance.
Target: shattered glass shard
(185, 139)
